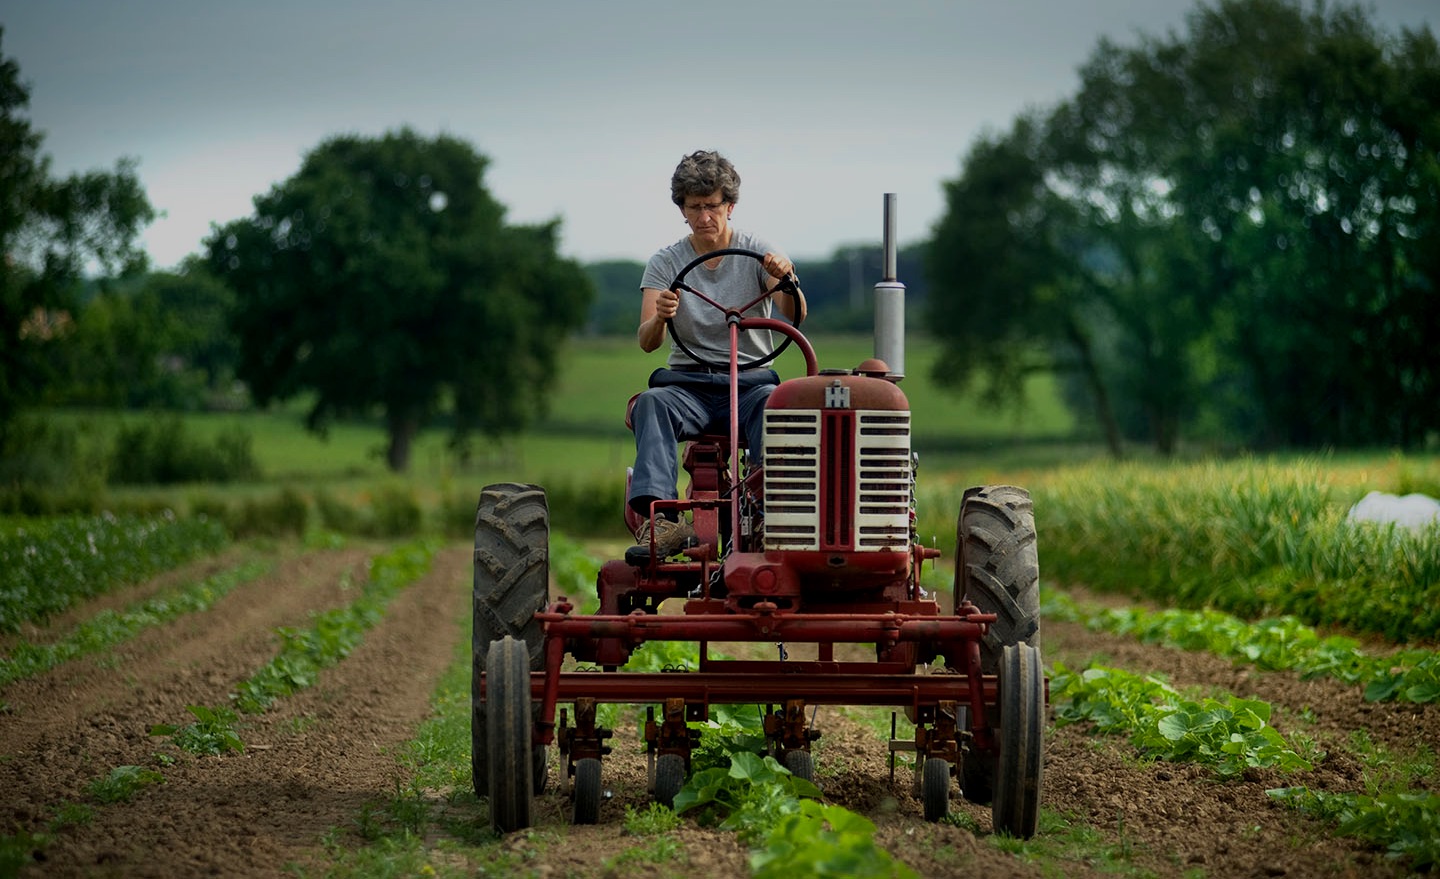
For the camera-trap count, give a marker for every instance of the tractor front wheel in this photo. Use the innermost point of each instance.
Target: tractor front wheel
(1016, 808)
(509, 727)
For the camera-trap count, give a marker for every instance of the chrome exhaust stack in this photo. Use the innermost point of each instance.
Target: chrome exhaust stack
(890, 302)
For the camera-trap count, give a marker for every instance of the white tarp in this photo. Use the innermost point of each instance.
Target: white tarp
(1410, 511)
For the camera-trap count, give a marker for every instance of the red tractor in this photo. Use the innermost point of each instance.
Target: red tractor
(819, 547)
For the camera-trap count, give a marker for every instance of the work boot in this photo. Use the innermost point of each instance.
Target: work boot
(670, 537)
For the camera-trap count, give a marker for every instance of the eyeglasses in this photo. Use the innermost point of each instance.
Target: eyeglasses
(696, 210)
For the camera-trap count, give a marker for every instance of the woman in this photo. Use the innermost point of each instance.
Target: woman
(687, 398)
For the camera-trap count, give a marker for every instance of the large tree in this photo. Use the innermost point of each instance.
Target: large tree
(382, 277)
(1243, 220)
(52, 231)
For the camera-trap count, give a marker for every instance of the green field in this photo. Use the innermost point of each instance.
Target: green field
(583, 438)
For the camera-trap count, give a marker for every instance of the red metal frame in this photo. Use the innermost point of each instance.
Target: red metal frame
(775, 596)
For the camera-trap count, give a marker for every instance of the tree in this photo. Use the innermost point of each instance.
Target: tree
(51, 233)
(157, 340)
(382, 276)
(1006, 263)
(1245, 214)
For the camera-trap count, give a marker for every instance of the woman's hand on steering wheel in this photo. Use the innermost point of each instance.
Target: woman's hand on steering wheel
(667, 304)
(778, 267)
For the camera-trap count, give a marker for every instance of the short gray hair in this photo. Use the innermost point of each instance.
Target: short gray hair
(701, 173)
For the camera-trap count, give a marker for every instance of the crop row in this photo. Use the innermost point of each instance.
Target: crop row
(48, 565)
(111, 627)
(305, 651)
(1228, 735)
(1231, 735)
(1252, 538)
(1273, 644)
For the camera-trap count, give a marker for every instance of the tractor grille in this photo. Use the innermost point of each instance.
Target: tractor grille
(837, 480)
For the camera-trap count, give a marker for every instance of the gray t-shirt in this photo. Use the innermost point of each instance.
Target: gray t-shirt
(737, 280)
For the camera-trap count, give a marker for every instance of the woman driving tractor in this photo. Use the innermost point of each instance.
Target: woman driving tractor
(691, 394)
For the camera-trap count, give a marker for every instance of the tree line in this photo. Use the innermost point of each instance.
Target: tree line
(1230, 234)
(1227, 235)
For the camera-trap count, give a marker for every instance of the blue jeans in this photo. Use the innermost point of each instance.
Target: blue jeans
(681, 405)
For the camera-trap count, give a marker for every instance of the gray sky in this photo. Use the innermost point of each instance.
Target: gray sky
(583, 108)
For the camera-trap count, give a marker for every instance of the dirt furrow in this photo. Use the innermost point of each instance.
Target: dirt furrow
(311, 763)
(195, 659)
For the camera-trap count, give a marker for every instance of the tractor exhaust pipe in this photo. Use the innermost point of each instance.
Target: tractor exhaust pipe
(890, 302)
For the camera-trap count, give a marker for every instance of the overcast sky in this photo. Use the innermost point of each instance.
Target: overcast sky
(583, 108)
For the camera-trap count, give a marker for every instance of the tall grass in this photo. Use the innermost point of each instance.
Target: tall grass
(1250, 537)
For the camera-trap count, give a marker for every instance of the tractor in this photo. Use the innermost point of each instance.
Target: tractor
(817, 545)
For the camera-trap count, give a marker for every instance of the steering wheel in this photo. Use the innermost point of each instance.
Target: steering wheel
(790, 284)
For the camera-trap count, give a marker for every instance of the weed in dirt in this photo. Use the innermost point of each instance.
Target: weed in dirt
(962, 821)
(659, 852)
(409, 810)
(1406, 824)
(1388, 769)
(300, 723)
(122, 783)
(652, 820)
(71, 815)
(1065, 839)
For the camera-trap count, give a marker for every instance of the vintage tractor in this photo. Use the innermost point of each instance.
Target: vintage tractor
(818, 546)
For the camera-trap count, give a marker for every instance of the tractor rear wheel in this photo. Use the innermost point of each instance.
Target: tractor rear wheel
(587, 792)
(935, 788)
(998, 570)
(509, 727)
(511, 583)
(1016, 809)
(669, 778)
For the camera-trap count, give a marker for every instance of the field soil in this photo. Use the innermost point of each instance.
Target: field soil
(317, 761)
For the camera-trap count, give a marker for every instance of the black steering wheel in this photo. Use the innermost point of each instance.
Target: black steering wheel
(789, 284)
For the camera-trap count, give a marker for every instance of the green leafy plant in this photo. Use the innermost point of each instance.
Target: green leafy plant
(212, 732)
(748, 797)
(122, 783)
(824, 841)
(52, 564)
(731, 730)
(1405, 823)
(1228, 736)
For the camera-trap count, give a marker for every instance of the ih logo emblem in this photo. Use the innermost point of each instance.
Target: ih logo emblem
(837, 396)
